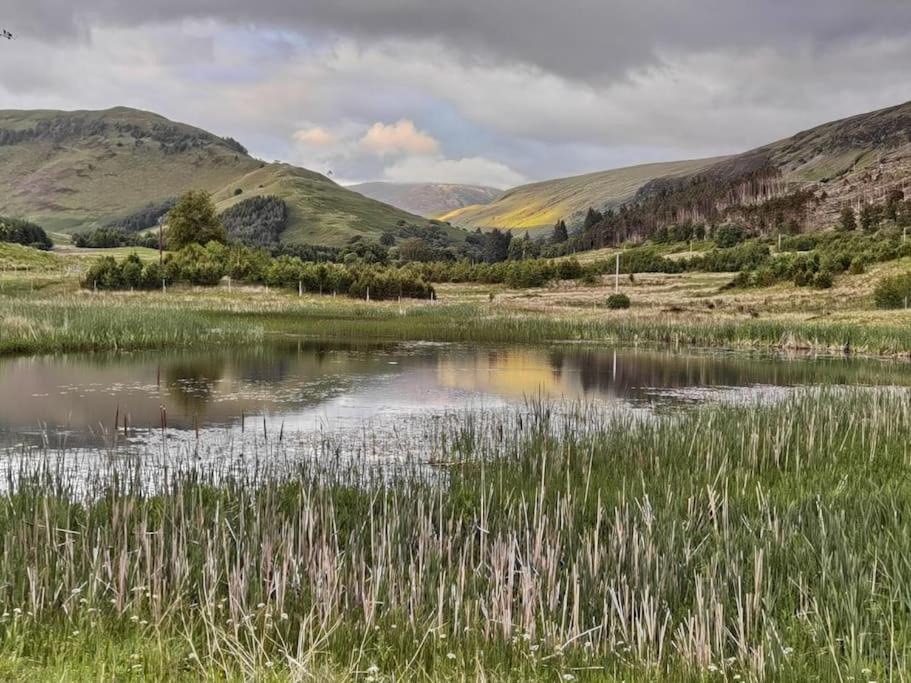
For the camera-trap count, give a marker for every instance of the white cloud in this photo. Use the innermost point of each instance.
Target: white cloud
(470, 171)
(399, 137)
(315, 137)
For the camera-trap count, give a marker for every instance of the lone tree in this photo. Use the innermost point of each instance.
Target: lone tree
(193, 220)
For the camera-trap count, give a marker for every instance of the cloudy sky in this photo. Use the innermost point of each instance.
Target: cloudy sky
(495, 92)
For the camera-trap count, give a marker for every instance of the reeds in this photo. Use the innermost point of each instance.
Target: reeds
(761, 542)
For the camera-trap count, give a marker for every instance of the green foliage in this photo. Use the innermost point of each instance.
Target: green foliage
(618, 301)
(144, 218)
(257, 221)
(893, 292)
(847, 222)
(107, 238)
(560, 233)
(822, 280)
(193, 220)
(415, 249)
(206, 266)
(729, 235)
(18, 231)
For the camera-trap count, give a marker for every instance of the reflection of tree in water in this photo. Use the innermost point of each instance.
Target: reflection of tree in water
(630, 374)
(192, 383)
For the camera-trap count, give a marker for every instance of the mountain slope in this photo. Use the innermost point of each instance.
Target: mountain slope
(428, 199)
(841, 163)
(540, 205)
(71, 171)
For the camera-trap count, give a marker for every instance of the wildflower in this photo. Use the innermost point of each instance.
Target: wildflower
(260, 605)
(75, 633)
(193, 656)
(284, 617)
(17, 610)
(712, 668)
(373, 669)
(450, 655)
(568, 677)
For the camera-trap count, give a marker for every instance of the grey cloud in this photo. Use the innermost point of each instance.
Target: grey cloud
(584, 39)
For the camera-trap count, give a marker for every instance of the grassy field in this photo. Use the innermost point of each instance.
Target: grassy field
(552, 543)
(42, 309)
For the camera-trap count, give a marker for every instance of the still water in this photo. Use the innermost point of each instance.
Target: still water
(72, 402)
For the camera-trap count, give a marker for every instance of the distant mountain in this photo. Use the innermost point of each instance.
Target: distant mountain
(428, 199)
(540, 205)
(70, 171)
(807, 178)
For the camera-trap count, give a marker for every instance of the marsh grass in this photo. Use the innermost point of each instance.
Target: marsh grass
(552, 542)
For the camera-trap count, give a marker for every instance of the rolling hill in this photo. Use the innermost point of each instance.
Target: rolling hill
(540, 205)
(428, 199)
(845, 163)
(71, 171)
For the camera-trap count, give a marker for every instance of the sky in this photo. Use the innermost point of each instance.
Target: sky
(490, 92)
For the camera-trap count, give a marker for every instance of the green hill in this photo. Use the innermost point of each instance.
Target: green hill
(540, 205)
(71, 171)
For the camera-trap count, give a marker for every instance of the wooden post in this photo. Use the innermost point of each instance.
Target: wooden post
(300, 288)
(368, 294)
(164, 287)
(617, 275)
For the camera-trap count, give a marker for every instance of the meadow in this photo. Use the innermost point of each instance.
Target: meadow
(551, 542)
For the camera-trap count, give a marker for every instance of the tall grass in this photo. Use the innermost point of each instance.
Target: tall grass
(30, 326)
(763, 542)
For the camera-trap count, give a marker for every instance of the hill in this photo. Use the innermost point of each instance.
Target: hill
(807, 178)
(71, 171)
(428, 199)
(540, 205)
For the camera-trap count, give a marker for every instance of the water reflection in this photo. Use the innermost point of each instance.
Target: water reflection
(73, 400)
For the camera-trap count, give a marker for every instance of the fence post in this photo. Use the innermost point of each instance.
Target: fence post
(617, 275)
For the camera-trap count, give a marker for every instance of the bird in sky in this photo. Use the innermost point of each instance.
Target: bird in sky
(6, 34)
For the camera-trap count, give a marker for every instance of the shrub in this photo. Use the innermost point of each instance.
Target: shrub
(618, 301)
(729, 235)
(858, 266)
(893, 292)
(822, 280)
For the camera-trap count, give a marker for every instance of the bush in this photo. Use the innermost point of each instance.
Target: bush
(618, 301)
(893, 292)
(729, 235)
(822, 280)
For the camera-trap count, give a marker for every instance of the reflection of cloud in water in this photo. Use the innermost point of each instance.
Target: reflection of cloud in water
(72, 400)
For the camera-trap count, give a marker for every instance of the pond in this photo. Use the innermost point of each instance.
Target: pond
(72, 401)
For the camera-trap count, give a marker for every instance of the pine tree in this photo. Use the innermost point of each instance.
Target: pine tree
(561, 234)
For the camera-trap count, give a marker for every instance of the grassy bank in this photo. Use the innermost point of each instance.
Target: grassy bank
(770, 544)
(43, 310)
